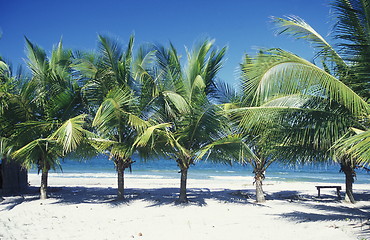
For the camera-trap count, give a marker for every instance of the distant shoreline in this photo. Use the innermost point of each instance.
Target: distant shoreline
(273, 174)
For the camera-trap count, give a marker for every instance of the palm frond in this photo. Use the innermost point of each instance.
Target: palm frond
(143, 139)
(5, 147)
(177, 101)
(227, 149)
(38, 61)
(213, 66)
(121, 151)
(42, 152)
(60, 58)
(111, 53)
(86, 64)
(226, 93)
(204, 123)
(109, 114)
(198, 86)
(318, 127)
(71, 133)
(352, 31)
(278, 72)
(352, 25)
(356, 146)
(101, 144)
(136, 122)
(3, 67)
(298, 28)
(30, 129)
(170, 70)
(293, 101)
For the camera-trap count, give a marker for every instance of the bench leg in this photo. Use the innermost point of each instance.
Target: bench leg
(338, 193)
(318, 192)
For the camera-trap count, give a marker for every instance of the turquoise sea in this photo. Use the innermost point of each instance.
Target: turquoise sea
(100, 167)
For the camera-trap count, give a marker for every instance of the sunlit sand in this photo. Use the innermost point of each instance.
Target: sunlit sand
(85, 208)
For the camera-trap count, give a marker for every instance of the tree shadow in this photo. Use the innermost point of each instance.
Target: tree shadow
(11, 202)
(289, 196)
(327, 213)
(154, 197)
(340, 211)
(329, 208)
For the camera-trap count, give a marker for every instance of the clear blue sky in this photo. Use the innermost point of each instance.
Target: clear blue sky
(242, 25)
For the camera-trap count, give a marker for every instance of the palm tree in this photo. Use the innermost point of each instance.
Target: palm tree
(185, 98)
(4, 92)
(260, 155)
(259, 141)
(118, 94)
(319, 104)
(353, 31)
(13, 177)
(52, 110)
(314, 117)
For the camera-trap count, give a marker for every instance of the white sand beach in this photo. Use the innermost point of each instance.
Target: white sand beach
(220, 209)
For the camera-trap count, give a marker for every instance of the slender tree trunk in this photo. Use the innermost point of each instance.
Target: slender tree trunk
(184, 175)
(258, 177)
(121, 180)
(44, 184)
(349, 173)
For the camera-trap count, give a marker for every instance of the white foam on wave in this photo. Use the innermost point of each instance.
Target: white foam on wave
(103, 175)
(83, 175)
(144, 176)
(230, 177)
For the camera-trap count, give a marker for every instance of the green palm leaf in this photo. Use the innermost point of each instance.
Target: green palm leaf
(5, 147)
(231, 147)
(352, 29)
(177, 101)
(109, 113)
(356, 146)
(149, 133)
(111, 52)
(71, 133)
(42, 152)
(3, 67)
(278, 72)
(298, 28)
(38, 62)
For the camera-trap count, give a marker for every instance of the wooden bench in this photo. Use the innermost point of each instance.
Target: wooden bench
(337, 187)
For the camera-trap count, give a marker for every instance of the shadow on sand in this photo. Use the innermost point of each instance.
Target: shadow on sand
(156, 196)
(196, 196)
(329, 208)
(337, 211)
(326, 208)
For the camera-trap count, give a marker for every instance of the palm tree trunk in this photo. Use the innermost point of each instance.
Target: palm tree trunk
(258, 178)
(184, 175)
(44, 184)
(121, 180)
(349, 173)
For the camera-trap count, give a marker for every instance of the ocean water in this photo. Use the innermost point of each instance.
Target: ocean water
(101, 166)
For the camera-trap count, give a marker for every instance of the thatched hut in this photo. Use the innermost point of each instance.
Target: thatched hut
(13, 178)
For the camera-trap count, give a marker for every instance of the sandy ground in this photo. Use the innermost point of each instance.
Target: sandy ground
(220, 209)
